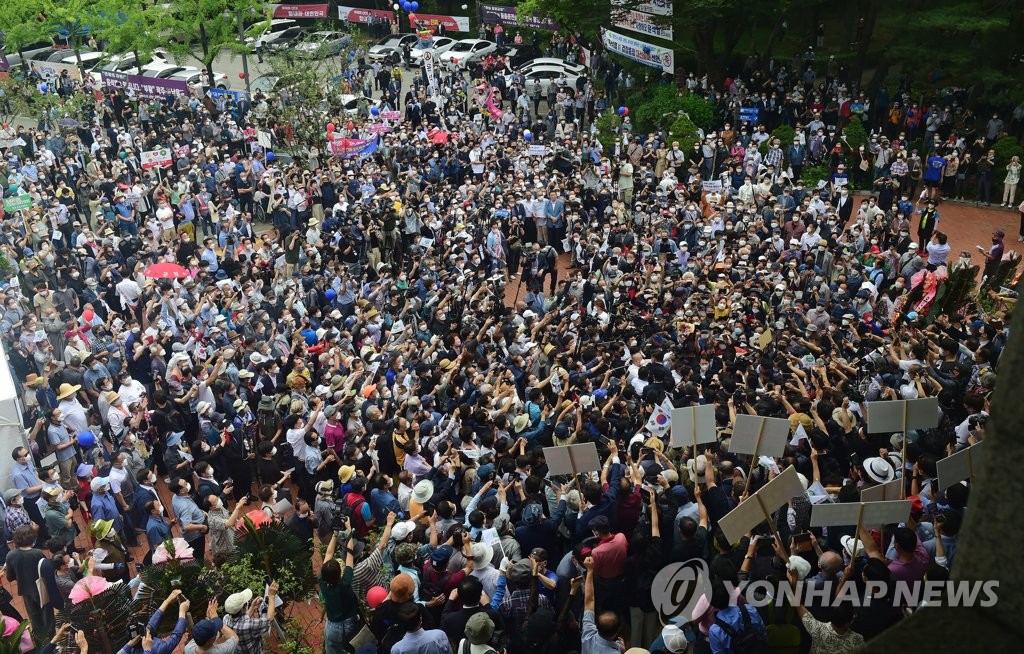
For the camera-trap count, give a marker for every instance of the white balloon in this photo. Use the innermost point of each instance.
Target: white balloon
(395, 6)
(465, 7)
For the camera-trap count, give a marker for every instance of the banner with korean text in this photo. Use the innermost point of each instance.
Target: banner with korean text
(638, 21)
(363, 16)
(507, 17)
(641, 51)
(144, 87)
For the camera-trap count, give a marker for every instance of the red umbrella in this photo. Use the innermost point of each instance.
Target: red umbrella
(166, 271)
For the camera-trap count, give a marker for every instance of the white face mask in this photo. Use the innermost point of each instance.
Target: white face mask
(151, 479)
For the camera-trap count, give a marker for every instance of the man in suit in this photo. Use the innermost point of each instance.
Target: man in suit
(844, 207)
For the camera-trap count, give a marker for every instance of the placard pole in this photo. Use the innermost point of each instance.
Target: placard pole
(856, 534)
(903, 456)
(768, 517)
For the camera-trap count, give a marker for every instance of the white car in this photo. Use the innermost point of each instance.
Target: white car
(198, 75)
(389, 49)
(258, 38)
(465, 52)
(350, 103)
(545, 76)
(90, 60)
(437, 45)
(576, 69)
(324, 42)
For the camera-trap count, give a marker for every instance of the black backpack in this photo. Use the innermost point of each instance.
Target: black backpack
(749, 639)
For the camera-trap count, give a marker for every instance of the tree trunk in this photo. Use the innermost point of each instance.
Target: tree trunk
(870, 18)
(704, 44)
(138, 61)
(207, 59)
(770, 45)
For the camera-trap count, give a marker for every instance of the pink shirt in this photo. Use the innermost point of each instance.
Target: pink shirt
(334, 436)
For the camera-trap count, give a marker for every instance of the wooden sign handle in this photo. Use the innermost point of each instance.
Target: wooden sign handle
(856, 534)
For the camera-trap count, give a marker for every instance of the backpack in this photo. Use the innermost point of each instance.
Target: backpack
(748, 640)
(267, 418)
(352, 509)
(433, 584)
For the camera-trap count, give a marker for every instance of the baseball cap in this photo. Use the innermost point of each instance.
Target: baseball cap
(206, 630)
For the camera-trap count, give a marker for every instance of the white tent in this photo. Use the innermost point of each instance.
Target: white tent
(12, 431)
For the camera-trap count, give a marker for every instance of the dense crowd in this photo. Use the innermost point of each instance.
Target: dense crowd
(374, 350)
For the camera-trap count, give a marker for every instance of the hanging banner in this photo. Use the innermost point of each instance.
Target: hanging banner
(428, 67)
(300, 11)
(646, 53)
(364, 16)
(638, 21)
(656, 7)
(507, 16)
(156, 158)
(352, 147)
(451, 23)
(144, 87)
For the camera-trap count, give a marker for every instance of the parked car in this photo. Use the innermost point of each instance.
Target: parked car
(27, 54)
(198, 76)
(285, 40)
(518, 55)
(389, 49)
(323, 43)
(350, 103)
(90, 60)
(258, 34)
(544, 77)
(465, 52)
(575, 69)
(438, 44)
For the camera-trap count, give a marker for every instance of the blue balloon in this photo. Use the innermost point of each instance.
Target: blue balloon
(270, 156)
(330, 294)
(374, 111)
(527, 135)
(414, 6)
(622, 111)
(407, 6)
(87, 439)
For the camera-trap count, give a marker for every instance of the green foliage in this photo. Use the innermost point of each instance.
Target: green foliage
(700, 110)
(1006, 148)
(608, 125)
(280, 554)
(956, 291)
(811, 175)
(132, 27)
(302, 636)
(197, 582)
(855, 135)
(648, 107)
(210, 24)
(11, 644)
(107, 615)
(785, 135)
(684, 131)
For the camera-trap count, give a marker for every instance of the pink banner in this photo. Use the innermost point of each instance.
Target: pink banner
(364, 16)
(300, 11)
(493, 109)
(451, 23)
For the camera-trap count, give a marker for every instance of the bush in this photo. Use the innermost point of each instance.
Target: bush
(811, 175)
(855, 135)
(647, 109)
(684, 131)
(608, 125)
(1006, 148)
(785, 135)
(700, 110)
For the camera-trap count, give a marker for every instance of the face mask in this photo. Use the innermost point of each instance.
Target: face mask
(188, 487)
(303, 516)
(273, 451)
(151, 479)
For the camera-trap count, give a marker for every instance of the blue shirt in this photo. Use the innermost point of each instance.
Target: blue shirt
(160, 645)
(104, 507)
(721, 642)
(424, 641)
(188, 514)
(382, 501)
(157, 531)
(24, 476)
(210, 257)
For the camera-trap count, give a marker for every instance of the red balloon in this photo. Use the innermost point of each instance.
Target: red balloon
(375, 596)
(330, 127)
(625, 112)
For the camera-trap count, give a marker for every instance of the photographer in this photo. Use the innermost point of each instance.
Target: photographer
(142, 632)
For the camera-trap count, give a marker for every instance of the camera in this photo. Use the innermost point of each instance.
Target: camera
(339, 521)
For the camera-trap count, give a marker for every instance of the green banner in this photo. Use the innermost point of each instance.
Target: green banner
(18, 202)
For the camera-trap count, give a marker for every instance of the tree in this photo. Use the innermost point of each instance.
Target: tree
(715, 27)
(133, 26)
(19, 20)
(212, 25)
(69, 19)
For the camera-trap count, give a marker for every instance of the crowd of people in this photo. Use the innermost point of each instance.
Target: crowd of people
(391, 348)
